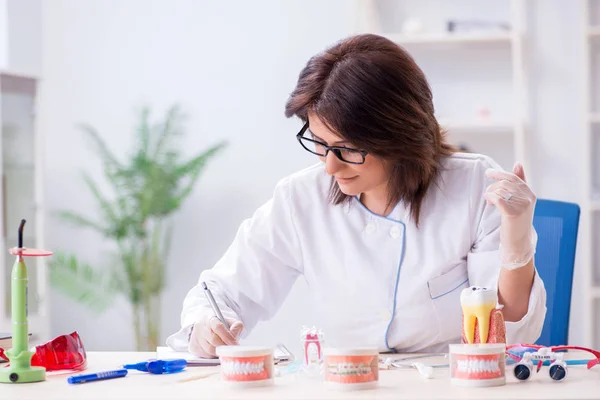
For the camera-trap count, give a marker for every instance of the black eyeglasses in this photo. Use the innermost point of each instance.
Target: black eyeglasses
(351, 156)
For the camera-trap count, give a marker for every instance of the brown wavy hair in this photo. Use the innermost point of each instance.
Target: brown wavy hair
(369, 91)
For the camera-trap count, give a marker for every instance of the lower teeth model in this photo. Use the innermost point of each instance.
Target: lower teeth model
(349, 369)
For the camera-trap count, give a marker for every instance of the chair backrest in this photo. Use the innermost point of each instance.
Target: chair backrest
(556, 224)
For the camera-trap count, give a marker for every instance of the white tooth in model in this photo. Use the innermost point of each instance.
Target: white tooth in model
(477, 303)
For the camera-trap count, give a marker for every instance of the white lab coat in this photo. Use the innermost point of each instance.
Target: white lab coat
(351, 259)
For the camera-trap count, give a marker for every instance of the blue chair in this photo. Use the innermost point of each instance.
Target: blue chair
(556, 223)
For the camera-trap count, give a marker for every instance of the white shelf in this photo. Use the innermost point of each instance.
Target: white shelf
(594, 31)
(595, 118)
(18, 74)
(19, 114)
(595, 205)
(595, 292)
(478, 128)
(451, 38)
(19, 167)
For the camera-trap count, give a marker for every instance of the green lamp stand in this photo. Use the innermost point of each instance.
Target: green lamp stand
(20, 369)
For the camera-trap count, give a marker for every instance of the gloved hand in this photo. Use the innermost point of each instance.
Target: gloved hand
(209, 333)
(516, 202)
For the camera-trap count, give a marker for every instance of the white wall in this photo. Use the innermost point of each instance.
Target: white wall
(24, 34)
(3, 34)
(232, 65)
(557, 108)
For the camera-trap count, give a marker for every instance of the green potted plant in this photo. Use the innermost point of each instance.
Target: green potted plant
(147, 188)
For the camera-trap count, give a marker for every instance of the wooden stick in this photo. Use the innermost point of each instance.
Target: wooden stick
(197, 377)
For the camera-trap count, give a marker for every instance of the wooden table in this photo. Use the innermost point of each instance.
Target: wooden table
(394, 384)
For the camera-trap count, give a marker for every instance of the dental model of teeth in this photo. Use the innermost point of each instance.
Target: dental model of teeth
(483, 321)
(349, 369)
(478, 366)
(246, 365)
(244, 368)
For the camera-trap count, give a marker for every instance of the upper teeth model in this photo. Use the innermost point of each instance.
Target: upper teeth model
(477, 303)
(243, 368)
(474, 365)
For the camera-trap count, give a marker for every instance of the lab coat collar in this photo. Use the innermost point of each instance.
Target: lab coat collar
(399, 214)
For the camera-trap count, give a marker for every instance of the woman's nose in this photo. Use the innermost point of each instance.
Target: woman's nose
(332, 163)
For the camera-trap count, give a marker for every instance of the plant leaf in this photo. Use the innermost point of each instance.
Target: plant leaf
(147, 187)
(193, 168)
(144, 131)
(81, 221)
(170, 128)
(108, 158)
(117, 226)
(80, 282)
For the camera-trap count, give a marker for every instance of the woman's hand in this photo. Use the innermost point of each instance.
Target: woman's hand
(209, 333)
(516, 202)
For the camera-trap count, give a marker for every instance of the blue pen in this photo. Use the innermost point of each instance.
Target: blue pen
(99, 376)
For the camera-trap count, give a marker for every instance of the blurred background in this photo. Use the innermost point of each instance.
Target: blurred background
(138, 134)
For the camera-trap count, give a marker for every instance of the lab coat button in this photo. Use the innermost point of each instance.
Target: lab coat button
(395, 232)
(386, 315)
(370, 227)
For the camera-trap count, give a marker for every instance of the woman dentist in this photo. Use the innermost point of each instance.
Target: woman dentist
(387, 229)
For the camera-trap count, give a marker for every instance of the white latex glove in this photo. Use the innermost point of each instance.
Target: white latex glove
(515, 201)
(209, 333)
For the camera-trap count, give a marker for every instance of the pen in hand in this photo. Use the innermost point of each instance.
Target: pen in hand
(210, 332)
(214, 305)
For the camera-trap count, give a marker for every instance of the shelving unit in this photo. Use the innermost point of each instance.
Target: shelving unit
(20, 197)
(513, 132)
(455, 38)
(482, 128)
(590, 209)
(503, 137)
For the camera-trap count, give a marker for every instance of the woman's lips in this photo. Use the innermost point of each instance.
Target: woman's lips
(345, 180)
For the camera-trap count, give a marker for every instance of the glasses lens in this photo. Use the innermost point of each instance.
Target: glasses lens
(558, 372)
(522, 372)
(351, 156)
(313, 146)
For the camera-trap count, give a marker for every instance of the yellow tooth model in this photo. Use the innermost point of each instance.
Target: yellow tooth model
(477, 303)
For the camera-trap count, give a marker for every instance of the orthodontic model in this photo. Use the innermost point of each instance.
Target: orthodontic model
(349, 369)
(355, 367)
